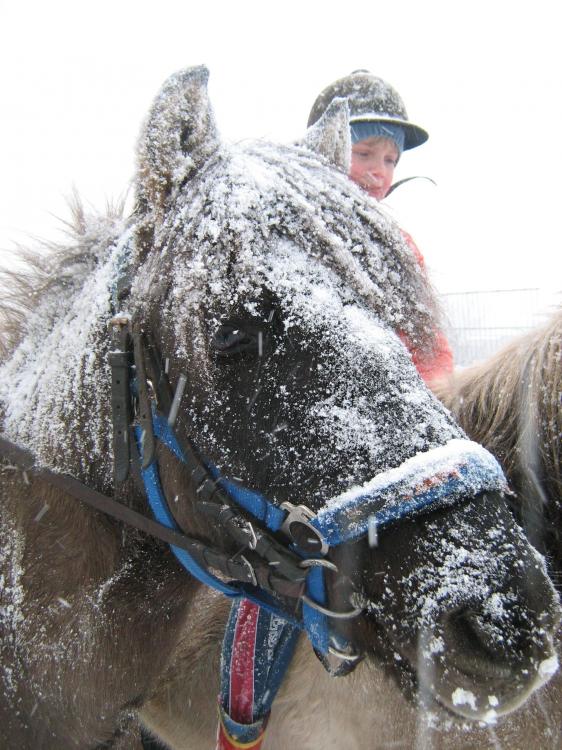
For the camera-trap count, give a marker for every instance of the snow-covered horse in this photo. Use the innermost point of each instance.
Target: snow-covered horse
(272, 289)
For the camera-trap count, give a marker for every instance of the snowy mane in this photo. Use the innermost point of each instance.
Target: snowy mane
(57, 312)
(51, 273)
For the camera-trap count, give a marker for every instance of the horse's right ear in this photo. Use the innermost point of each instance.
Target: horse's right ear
(330, 135)
(178, 136)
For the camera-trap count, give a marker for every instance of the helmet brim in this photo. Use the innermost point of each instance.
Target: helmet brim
(413, 134)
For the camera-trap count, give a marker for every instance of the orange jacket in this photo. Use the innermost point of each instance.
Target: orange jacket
(439, 363)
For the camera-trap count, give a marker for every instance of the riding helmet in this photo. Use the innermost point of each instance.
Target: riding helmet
(370, 99)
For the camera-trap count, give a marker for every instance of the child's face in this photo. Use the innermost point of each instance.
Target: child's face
(372, 165)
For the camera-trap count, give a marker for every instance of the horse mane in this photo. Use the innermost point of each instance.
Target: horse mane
(511, 404)
(53, 269)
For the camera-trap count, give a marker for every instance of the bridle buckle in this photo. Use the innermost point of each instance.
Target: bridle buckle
(298, 528)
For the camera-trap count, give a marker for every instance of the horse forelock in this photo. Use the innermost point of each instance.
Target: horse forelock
(225, 226)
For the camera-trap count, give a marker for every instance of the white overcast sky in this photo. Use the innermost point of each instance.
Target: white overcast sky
(484, 78)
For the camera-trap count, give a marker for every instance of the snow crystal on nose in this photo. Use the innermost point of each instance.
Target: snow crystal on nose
(462, 697)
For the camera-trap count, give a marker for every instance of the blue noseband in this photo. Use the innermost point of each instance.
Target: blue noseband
(428, 481)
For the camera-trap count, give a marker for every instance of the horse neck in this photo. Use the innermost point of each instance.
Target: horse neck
(58, 399)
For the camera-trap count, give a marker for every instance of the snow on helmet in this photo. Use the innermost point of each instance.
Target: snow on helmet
(370, 99)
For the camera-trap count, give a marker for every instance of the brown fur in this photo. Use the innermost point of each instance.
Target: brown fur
(511, 404)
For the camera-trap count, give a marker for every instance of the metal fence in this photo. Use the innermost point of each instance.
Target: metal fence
(479, 323)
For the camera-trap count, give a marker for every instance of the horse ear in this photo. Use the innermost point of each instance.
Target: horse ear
(179, 135)
(330, 135)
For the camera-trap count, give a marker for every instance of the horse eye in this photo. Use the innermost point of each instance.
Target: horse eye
(231, 338)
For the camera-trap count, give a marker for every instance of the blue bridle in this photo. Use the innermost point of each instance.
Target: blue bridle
(459, 469)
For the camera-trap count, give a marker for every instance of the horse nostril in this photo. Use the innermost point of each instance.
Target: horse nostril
(483, 647)
(483, 658)
(477, 650)
(477, 664)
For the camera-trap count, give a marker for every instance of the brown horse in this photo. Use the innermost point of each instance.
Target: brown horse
(262, 276)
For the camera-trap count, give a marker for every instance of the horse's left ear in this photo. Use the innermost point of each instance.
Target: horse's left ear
(330, 136)
(178, 136)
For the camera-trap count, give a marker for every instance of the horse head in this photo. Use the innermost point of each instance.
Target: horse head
(277, 288)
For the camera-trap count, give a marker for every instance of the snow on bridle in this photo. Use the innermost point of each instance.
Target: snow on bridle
(293, 542)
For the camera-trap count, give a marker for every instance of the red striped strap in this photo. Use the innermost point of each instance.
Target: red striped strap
(242, 659)
(241, 689)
